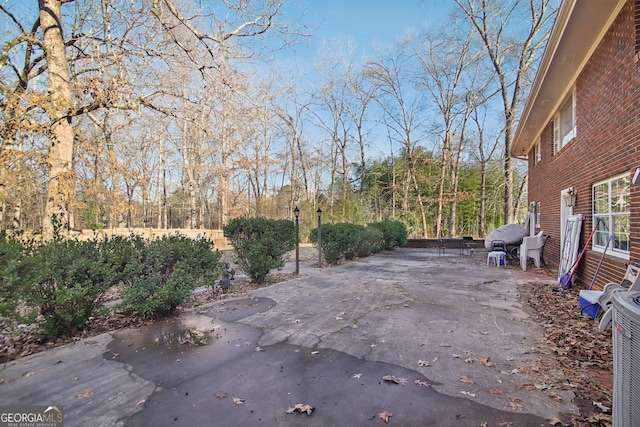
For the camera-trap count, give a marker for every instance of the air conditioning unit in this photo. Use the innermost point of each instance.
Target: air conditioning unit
(626, 359)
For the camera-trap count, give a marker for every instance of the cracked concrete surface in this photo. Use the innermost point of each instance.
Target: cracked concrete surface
(326, 338)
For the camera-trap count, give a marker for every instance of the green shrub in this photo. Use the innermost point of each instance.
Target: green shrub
(395, 233)
(67, 281)
(339, 241)
(372, 241)
(260, 244)
(167, 270)
(16, 270)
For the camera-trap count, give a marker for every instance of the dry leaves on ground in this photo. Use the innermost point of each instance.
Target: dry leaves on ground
(384, 416)
(581, 357)
(394, 379)
(302, 408)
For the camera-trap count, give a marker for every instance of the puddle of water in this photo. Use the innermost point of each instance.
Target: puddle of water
(182, 338)
(176, 335)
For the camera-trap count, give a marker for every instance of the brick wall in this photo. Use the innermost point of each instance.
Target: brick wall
(607, 144)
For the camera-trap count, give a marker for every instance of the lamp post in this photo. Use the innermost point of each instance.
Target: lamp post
(296, 212)
(319, 212)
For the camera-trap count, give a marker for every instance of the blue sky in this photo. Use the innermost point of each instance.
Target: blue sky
(364, 21)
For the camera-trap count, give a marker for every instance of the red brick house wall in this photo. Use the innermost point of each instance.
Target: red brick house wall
(607, 144)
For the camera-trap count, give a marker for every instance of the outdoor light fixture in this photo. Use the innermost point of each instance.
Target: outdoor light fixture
(296, 212)
(319, 212)
(570, 198)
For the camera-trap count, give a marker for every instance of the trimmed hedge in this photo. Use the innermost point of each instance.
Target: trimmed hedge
(348, 241)
(260, 244)
(167, 271)
(395, 233)
(59, 285)
(371, 242)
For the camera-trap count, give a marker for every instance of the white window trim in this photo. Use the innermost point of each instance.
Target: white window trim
(537, 157)
(573, 132)
(626, 255)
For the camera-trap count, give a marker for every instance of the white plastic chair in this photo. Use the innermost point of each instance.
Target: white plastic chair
(531, 247)
(632, 280)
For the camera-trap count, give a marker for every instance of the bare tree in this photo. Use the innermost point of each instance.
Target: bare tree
(402, 108)
(88, 64)
(445, 61)
(484, 152)
(511, 58)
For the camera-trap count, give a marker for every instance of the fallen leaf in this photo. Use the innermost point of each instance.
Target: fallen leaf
(238, 401)
(115, 355)
(516, 404)
(485, 361)
(457, 356)
(372, 345)
(555, 421)
(29, 374)
(258, 348)
(496, 391)
(221, 395)
(357, 375)
(384, 416)
(424, 363)
(141, 402)
(88, 393)
(338, 318)
(397, 380)
(422, 383)
(315, 352)
(443, 344)
(468, 393)
(467, 380)
(555, 397)
(301, 407)
(603, 408)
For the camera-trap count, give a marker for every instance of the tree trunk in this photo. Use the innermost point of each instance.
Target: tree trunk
(446, 148)
(60, 156)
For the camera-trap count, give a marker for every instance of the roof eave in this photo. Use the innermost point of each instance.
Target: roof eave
(584, 21)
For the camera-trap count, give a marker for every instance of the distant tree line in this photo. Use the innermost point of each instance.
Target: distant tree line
(166, 115)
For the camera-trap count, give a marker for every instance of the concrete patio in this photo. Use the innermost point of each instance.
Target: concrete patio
(446, 331)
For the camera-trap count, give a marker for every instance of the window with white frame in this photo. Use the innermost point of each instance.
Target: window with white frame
(611, 208)
(564, 122)
(536, 152)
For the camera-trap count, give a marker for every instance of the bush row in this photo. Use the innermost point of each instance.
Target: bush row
(59, 285)
(348, 241)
